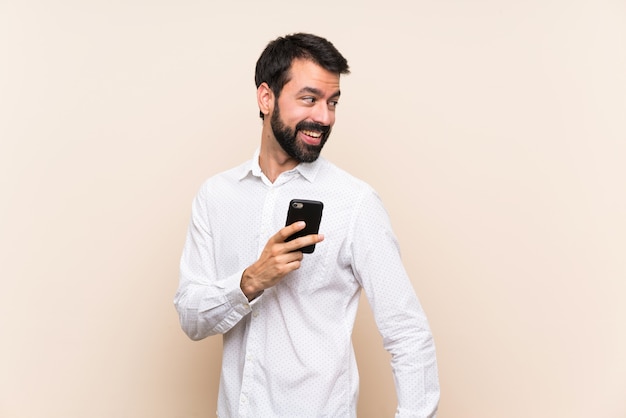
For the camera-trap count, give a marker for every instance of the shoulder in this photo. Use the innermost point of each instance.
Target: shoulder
(344, 181)
(225, 179)
(347, 187)
(348, 192)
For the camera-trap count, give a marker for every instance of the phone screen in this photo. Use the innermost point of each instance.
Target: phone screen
(309, 211)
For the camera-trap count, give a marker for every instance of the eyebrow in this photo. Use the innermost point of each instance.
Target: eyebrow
(317, 92)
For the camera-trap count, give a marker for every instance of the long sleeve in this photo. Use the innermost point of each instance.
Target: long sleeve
(289, 352)
(206, 304)
(397, 311)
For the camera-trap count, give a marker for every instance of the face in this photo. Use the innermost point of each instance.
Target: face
(304, 113)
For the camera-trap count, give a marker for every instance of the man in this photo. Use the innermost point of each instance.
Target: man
(287, 317)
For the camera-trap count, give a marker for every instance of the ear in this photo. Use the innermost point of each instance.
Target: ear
(265, 98)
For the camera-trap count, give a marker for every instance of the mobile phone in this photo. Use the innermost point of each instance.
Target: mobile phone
(309, 211)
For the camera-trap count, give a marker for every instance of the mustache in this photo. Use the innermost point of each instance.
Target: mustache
(312, 126)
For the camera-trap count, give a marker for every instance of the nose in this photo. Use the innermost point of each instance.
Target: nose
(322, 114)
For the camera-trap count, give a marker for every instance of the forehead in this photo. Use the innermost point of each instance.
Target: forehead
(307, 74)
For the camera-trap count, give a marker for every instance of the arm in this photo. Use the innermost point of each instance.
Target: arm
(277, 259)
(397, 311)
(208, 304)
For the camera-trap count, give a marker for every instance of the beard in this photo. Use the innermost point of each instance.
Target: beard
(288, 138)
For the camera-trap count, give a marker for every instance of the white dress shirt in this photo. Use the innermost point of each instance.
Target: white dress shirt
(289, 353)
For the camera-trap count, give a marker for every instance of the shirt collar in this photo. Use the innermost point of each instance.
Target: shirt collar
(307, 170)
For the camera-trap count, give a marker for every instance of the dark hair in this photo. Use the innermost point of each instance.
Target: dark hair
(274, 63)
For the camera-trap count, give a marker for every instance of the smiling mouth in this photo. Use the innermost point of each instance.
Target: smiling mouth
(313, 138)
(312, 134)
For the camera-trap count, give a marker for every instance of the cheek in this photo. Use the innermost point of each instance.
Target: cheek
(291, 115)
(296, 117)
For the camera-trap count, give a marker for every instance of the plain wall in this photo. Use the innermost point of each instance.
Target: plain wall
(493, 131)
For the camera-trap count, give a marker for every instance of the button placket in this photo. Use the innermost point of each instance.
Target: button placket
(266, 218)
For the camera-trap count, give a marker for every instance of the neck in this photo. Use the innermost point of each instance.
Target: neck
(273, 160)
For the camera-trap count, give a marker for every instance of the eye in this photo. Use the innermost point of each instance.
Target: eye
(333, 104)
(308, 99)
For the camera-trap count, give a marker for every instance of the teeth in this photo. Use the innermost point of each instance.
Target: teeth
(312, 134)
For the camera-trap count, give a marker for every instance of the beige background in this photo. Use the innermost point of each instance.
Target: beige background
(493, 130)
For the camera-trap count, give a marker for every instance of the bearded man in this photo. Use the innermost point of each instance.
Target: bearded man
(287, 317)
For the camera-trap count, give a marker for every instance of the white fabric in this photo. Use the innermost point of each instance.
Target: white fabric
(289, 353)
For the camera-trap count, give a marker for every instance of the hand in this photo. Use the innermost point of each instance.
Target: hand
(277, 259)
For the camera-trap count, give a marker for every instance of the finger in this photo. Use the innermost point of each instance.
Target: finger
(293, 257)
(287, 231)
(287, 263)
(304, 241)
